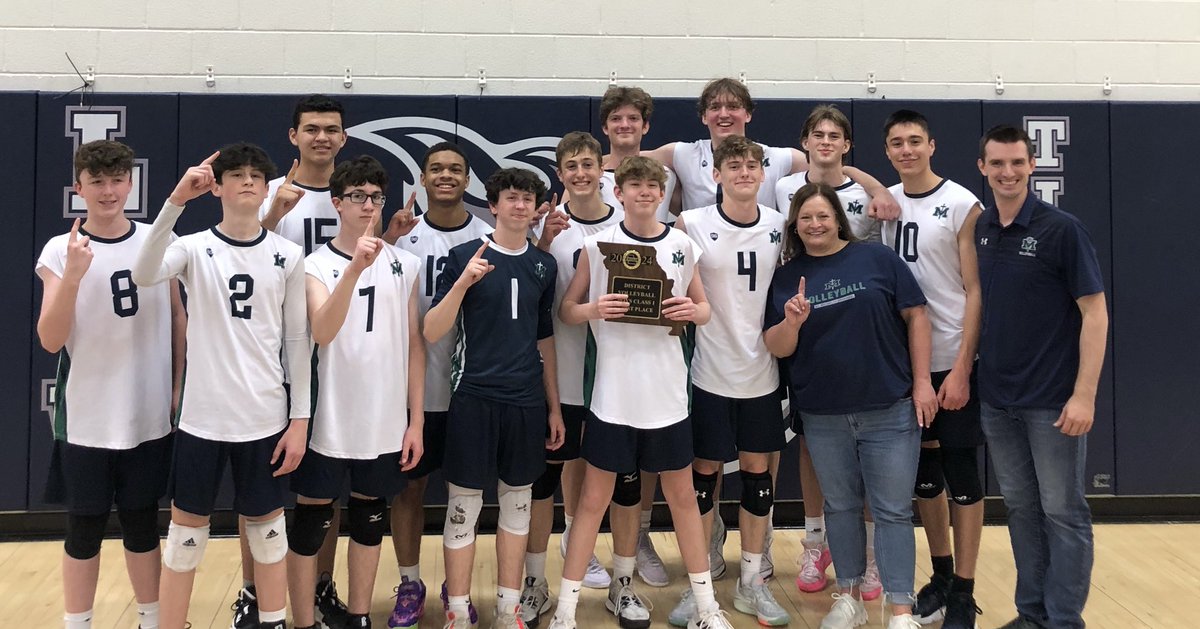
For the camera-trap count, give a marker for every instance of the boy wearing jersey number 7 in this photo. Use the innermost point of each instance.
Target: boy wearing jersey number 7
(935, 238)
(245, 288)
(362, 305)
(736, 412)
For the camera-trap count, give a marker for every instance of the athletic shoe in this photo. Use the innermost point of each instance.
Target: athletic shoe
(961, 611)
(454, 622)
(245, 610)
(767, 569)
(756, 599)
(684, 611)
(903, 621)
(358, 621)
(649, 565)
(931, 600)
(624, 602)
(535, 600)
(714, 618)
(508, 619)
(278, 624)
(716, 548)
(329, 611)
(561, 623)
(814, 560)
(847, 612)
(596, 576)
(1021, 622)
(410, 604)
(472, 614)
(871, 587)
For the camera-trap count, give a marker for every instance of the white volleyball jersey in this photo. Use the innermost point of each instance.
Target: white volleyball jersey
(570, 340)
(693, 163)
(639, 372)
(853, 197)
(312, 223)
(608, 187)
(113, 388)
(431, 244)
(357, 414)
(246, 312)
(738, 263)
(928, 241)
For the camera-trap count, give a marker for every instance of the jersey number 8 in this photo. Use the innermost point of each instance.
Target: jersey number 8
(124, 293)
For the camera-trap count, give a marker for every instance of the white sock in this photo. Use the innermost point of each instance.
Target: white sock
(79, 620)
(751, 564)
(568, 598)
(412, 573)
(459, 605)
(274, 616)
(568, 519)
(870, 538)
(623, 567)
(702, 590)
(645, 519)
(247, 583)
(506, 599)
(148, 615)
(535, 566)
(814, 529)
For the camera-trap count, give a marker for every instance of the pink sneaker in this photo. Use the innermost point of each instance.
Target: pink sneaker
(871, 588)
(813, 562)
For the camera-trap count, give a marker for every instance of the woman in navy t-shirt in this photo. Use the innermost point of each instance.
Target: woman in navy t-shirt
(852, 319)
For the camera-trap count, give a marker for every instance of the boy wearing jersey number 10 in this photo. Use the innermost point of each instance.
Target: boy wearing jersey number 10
(120, 350)
(736, 412)
(362, 308)
(246, 310)
(496, 295)
(935, 238)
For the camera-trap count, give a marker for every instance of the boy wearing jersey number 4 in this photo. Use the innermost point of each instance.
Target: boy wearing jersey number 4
(445, 224)
(246, 310)
(935, 237)
(362, 308)
(736, 412)
(117, 373)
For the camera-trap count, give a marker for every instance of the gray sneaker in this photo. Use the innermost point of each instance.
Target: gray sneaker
(649, 565)
(756, 599)
(684, 611)
(535, 600)
(716, 548)
(629, 608)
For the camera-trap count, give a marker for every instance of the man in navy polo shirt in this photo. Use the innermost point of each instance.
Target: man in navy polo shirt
(1045, 325)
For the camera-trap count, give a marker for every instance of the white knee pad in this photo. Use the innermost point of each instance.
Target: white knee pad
(185, 547)
(514, 507)
(267, 539)
(462, 512)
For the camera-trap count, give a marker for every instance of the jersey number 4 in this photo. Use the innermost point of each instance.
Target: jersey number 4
(906, 241)
(748, 266)
(124, 293)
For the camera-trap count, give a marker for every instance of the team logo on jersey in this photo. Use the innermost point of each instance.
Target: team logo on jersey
(776, 236)
(208, 250)
(712, 235)
(766, 163)
(1029, 247)
(413, 239)
(677, 258)
(854, 207)
(397, 268)
(703, 163)
(336, 274)
(539, 270)
(983, 241)
(279, 260)
(941, 211)
(832, 284)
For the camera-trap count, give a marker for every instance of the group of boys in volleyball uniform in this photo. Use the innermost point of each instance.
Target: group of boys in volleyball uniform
(733, 248)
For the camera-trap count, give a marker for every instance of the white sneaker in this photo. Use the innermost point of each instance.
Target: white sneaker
(847, 612)
(714, 618)
(871, 587)
(767, 569)
(756, 599)
(561, 623)
(454, 622)
(629, 608)
(535, 600)
(684, 611)
(716, 548)
(596, 576)
(903, 621)
(649, 565)
(508, 618)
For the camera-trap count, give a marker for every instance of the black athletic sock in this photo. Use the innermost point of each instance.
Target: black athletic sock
(961, 584)
(943, 566)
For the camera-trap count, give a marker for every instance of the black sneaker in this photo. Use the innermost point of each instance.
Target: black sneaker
(278, 624)
(330, 611)
(359, 621)
(245, 610)
(931, 600)
(960, 611)
(1021, 622)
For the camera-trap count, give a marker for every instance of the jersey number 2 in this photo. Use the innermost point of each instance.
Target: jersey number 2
(124, 293)
(242, 286)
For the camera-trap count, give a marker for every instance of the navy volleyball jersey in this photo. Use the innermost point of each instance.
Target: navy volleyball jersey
(852, 354)
(502, 318)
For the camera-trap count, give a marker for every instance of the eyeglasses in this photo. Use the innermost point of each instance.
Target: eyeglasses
(361, 197)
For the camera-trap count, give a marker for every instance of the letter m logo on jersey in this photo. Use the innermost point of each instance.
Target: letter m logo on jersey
(280, 260)
(397, 268)
(677, 258)
(854, 207)
(776, 236)
(941, 211)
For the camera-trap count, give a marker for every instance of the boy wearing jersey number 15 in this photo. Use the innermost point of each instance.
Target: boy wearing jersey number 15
(120, 350)
(363, 312)
(246, 313)
(935, 238)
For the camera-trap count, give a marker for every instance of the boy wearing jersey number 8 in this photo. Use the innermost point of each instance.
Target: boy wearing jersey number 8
(736, 412)
(497, 297)
(120, 353)
(935, 238)
(859, 342)
(363, 314)
(245, 289)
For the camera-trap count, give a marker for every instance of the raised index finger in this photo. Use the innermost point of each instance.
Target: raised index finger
(482, 248)
(210, 159)
(370, 230)
(75, 230)
(287, 181)
(412, 200)
(554, 201)
(800, 289)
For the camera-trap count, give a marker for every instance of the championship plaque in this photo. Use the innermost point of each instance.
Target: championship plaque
(633, 271)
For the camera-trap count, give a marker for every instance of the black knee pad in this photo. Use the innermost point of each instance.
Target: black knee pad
(757, 494)
(705, 485)
(628, 490)
(546, 484)
(309, 525)
(929, 474)
(84, 535)
(139, 529)
(368, 520)
(961, 467)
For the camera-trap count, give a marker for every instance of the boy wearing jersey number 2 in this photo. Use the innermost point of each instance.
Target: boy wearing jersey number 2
(118, 374)
(935, 237)
(362, 308)
(246, 313)
(736, 412)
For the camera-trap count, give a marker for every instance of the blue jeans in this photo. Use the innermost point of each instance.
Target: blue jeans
(1041, 474)
(872, 454)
